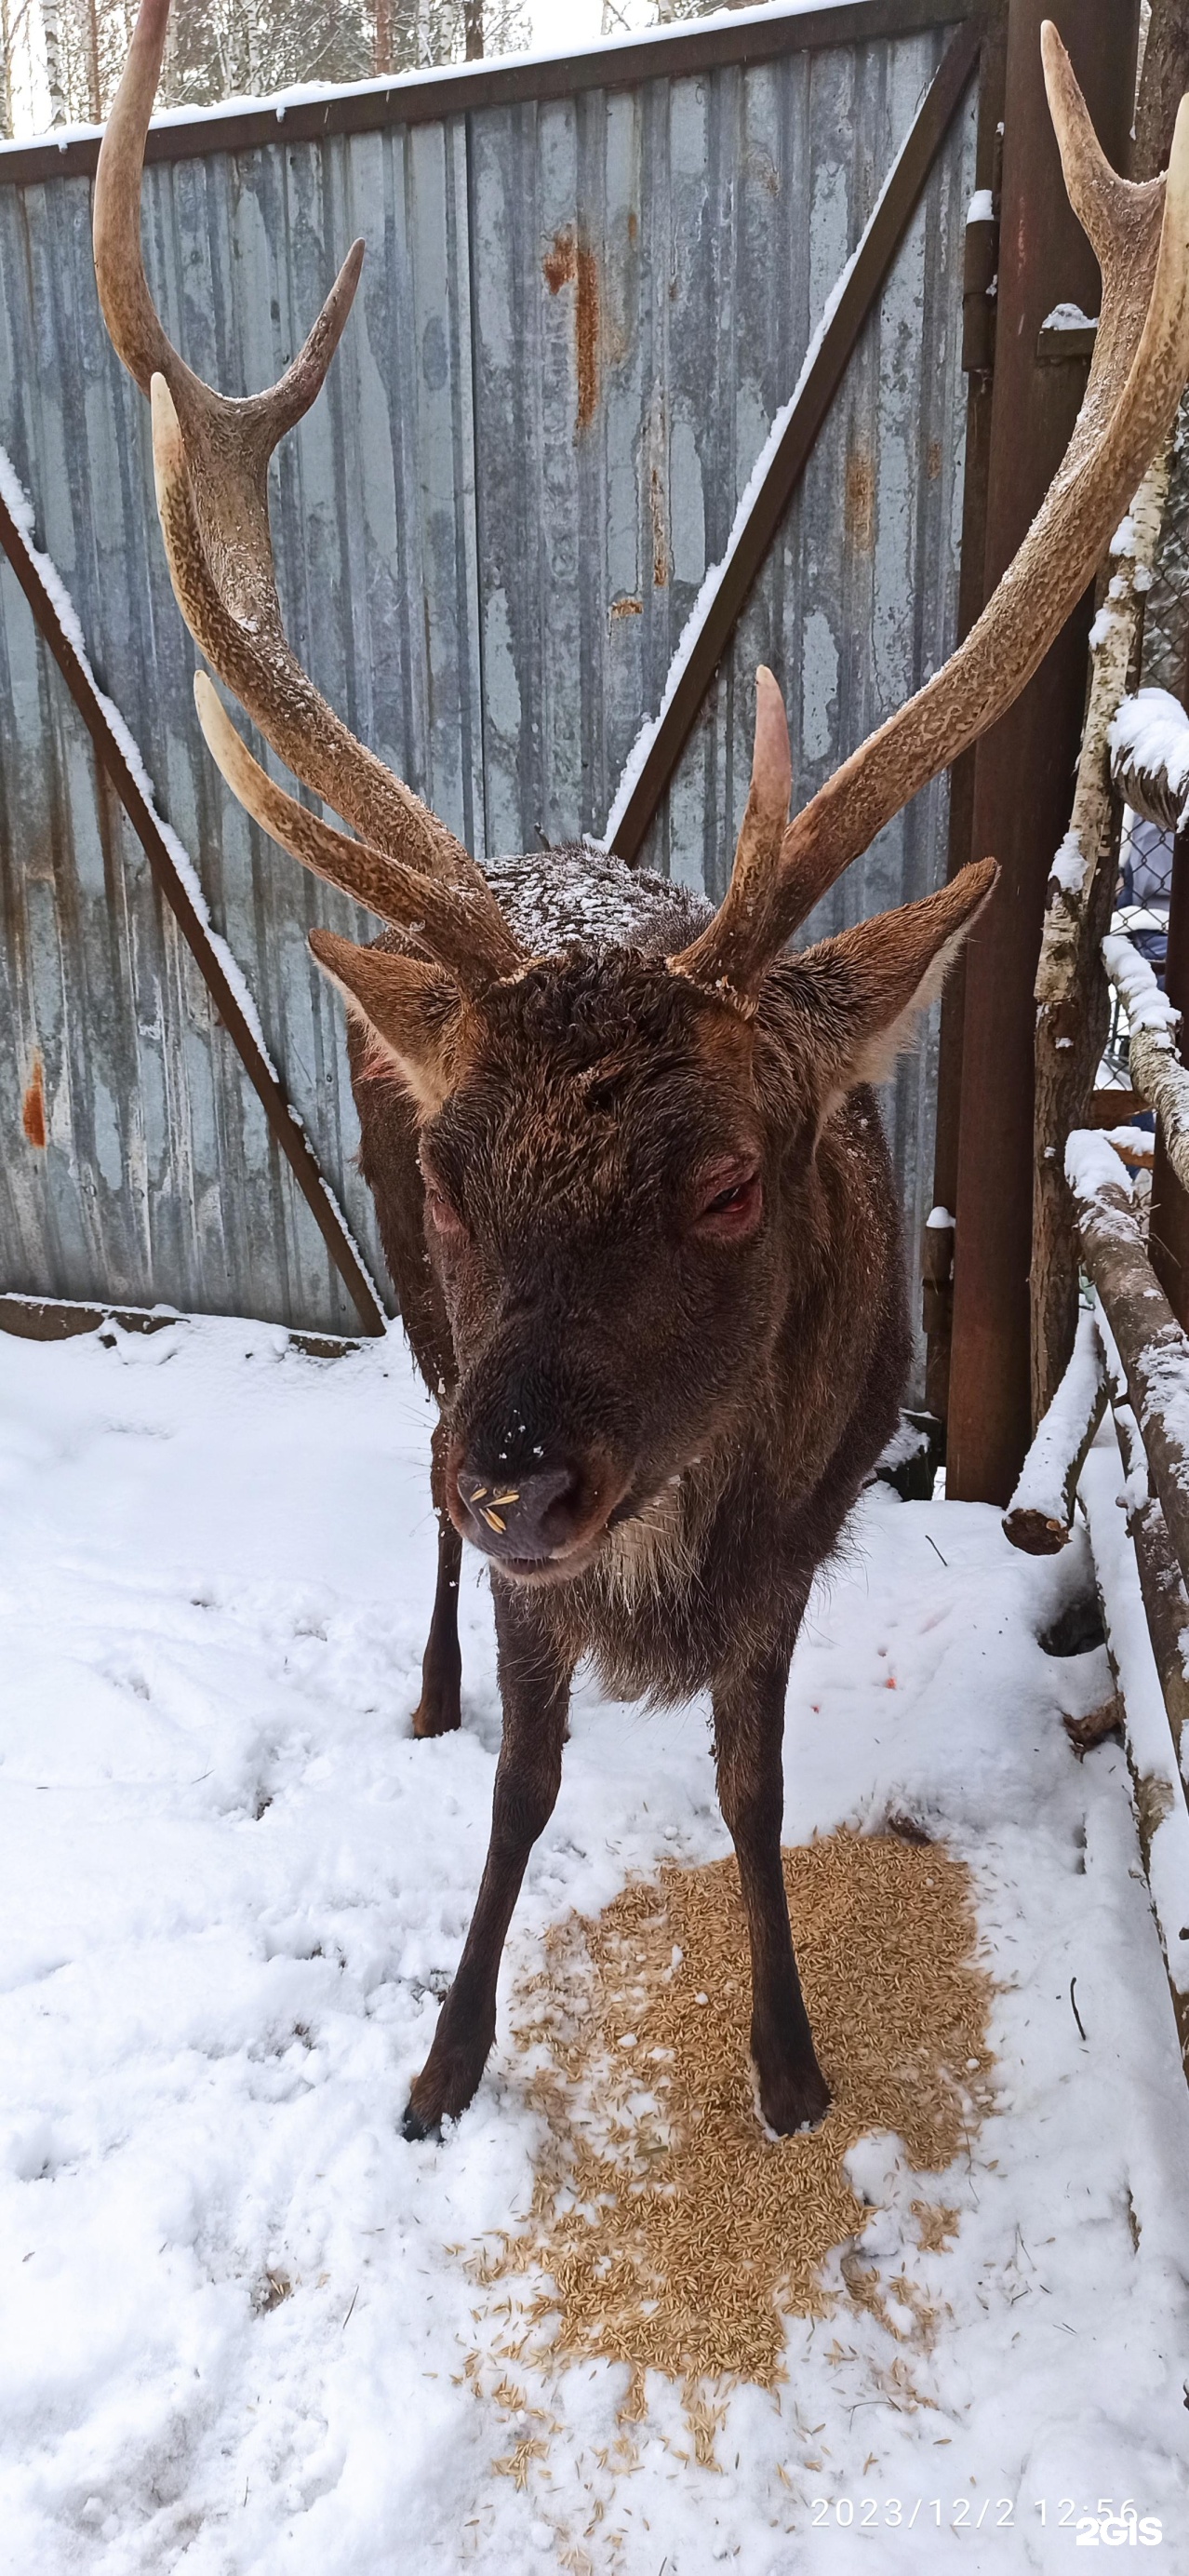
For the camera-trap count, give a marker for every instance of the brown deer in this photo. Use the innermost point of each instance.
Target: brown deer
(632, 1187)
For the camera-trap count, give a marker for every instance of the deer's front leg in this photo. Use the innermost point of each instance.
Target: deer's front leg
(535, 1688)
(748, 1731)
(439, 1709)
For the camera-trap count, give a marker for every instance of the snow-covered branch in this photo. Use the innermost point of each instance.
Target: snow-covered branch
(1039, 1517)
(1149, 748)
(1156, 1069)
(1070, 993)
(1152, 1347)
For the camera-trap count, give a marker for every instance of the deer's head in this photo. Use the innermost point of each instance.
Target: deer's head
(619, 1149)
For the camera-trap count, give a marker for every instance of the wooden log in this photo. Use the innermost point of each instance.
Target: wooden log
(1153, 1349)
(1162, 1820)
(1149, 755)
(1168, 1203)
(1159, 1076)
(1114, 1108)
(1166, 1602)
(1132, 1146)
(1071, 995)
(1039, 1517)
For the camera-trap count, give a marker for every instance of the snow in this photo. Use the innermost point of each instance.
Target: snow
(1151, 730)
(1062, 1430)
(555, 896)
(1069, 317)
(1090, 1163)
(1148, 1731)
(1146, 1006)
(1069, 866)
(908, 1441)
(939, 1216)
(1136, 1141)
(238, 2310)
(981, 209)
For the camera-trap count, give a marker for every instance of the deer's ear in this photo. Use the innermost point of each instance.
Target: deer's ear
(413, 1012)
(871, 984)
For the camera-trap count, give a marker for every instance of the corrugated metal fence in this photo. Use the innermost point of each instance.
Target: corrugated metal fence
(578, 317)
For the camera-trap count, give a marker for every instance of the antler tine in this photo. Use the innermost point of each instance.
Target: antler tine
(212, 456)
(1141, 362)
(461, 932)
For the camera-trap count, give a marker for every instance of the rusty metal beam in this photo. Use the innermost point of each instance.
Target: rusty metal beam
(978, 359)
(1024, 768)
(416, 100)
(283, 1122)
(894, 209)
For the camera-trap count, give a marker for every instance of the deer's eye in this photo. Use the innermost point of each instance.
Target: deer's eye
(733, 1207)
(443, 1215)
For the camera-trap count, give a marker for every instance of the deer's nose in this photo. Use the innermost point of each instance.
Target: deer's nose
(522, 1516)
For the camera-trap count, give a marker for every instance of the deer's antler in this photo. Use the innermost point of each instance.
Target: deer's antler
(465, 934)
(1140, 235)
(211, 458)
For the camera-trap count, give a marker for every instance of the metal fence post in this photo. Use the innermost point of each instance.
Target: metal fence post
(1024, 768)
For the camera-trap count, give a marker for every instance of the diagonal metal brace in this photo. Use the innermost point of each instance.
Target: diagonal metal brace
(283, 1121)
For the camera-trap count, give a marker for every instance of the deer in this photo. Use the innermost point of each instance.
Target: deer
(625, 1148)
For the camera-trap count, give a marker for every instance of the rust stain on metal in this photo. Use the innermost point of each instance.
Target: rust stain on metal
(860, 499)
(658, 498)
(660, 532)
(627, 607)
(933, 459)
(571, 262)
(33, 1106)
(560, 263)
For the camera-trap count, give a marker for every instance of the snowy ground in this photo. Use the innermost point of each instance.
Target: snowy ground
(234, 1887)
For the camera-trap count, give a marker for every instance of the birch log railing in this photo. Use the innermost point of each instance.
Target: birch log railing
(1130, 1347)
(1071, 995)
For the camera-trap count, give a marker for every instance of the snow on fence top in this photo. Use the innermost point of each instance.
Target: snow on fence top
(279, 103)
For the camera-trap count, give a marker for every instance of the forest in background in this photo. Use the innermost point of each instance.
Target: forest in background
(75, 49)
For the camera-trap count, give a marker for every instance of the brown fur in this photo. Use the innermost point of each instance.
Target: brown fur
(730, 1395)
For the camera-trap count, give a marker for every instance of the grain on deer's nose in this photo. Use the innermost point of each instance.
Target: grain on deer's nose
(526, 1516)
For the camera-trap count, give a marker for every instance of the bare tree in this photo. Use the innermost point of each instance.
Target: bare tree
(1164, 76)
(51, 33)
(238, 48)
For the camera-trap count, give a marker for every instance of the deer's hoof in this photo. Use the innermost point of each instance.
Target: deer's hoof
(794, 2101)
(437, 1713)
(414, 2127)
(448, 2081)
